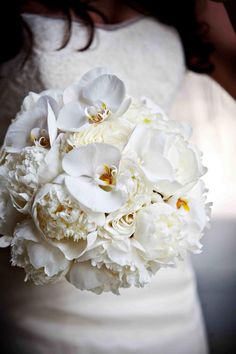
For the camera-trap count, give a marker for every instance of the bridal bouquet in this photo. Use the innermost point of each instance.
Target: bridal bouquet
(97, 188)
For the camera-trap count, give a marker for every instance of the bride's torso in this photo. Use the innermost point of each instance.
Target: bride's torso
(147, 55)
(163, 317)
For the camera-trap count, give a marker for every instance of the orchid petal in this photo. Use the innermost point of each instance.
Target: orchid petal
(79, 161)
(84, 160)
(71, 117)
(51, 167)
(72, 92)
(106, 88)
(52, 125)
(93, 197)
(18, 134)
(123, 108)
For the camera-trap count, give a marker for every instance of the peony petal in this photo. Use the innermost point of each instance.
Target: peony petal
(29, 101)
(93, 197)
(86, 277)
(44, 255)
(5, 241)
(157, 168)
(70, 248)
(71, 117)
(26, 231)
(106, 88)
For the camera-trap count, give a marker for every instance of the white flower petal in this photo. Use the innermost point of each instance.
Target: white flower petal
(79, 161)
(70, 248)
(51, 166)
(72, 93)
(18, 134)
(93, 197)
(86, 277)
(123, 108)
(44, 255)
(52, 125)
(5, 241)
(71, 117)
(106, 88)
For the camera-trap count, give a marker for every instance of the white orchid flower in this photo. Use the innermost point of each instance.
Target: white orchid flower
(93, 177)
(36, 126)
(191, 204)
(98, 96)
(167, 160)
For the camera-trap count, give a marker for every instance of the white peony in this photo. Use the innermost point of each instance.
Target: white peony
(42, 262)
(62, 222)
(21, 176)
(167, 159)
(164, 234)
(85, 276)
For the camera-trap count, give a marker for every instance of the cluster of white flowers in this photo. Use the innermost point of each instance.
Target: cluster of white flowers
(97, 188)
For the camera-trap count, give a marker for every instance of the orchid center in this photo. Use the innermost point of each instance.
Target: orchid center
(40, 137)
(107, 177)
(98, 114)
(182, 203)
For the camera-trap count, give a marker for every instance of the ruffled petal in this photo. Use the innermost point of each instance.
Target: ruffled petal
(86, 277)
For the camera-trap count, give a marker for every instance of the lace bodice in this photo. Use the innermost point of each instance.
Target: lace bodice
(144, 53)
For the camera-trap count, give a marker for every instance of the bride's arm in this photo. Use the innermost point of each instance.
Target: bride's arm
(223, 36)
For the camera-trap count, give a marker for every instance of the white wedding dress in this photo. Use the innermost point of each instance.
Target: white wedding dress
(164, 317)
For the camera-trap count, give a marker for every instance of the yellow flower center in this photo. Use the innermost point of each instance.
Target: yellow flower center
(98, 115)
(108, 177)
(40, 139)
(182, 203)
